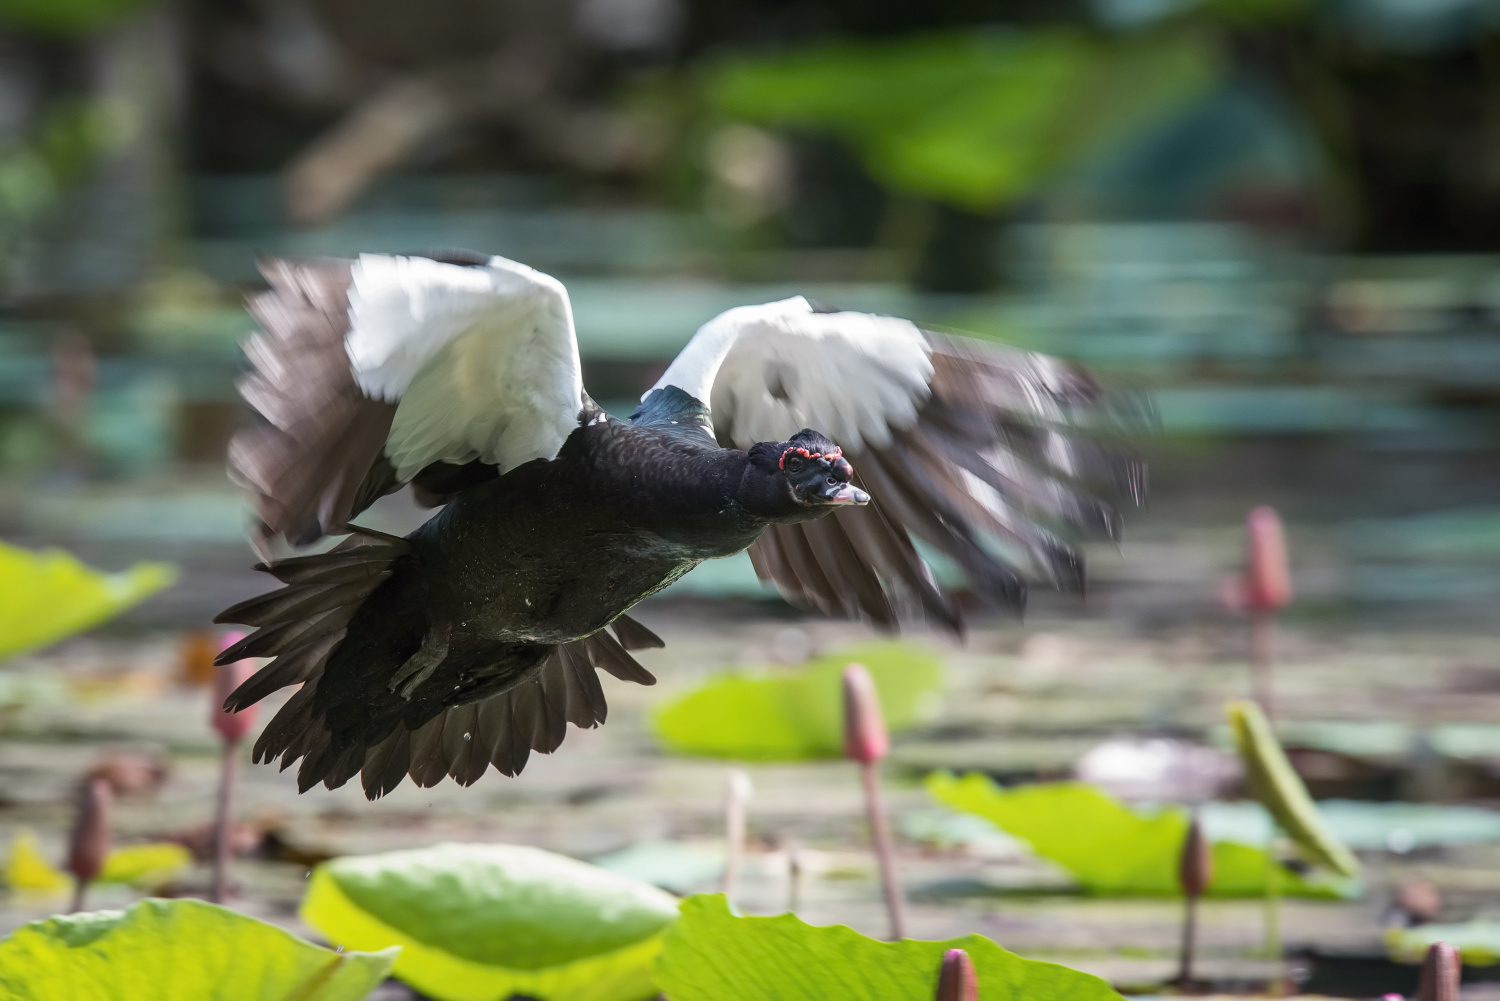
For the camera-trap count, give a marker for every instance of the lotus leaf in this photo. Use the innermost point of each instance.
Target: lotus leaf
(46, 596)
(1478, 942)
(479, 922)
(178, 950)
(797, 714)
(27, 869)
(1276, 784)
(712, 955)
(145, 865)
(1109, 848)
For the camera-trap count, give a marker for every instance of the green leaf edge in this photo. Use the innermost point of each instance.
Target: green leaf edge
(1409, 945)
(1280, 790)
(624, 974)
(370, 966)
(944, 786)
(714, 906)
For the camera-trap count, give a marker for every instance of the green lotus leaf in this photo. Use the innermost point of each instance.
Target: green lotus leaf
(1108, 847)
(178, 950)
(1478, 942)
(149, 864)
(712, 955)
(480, 922)
(1276, 784)
(46, 596)
(792, 715)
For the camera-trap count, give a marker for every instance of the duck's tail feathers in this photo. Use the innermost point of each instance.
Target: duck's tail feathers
(300, 625)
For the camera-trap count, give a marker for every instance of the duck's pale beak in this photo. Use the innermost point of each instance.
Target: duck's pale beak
(847, 494)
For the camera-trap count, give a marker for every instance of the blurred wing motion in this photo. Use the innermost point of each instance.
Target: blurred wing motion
(373, 373)
(370, 374)
(987, 454)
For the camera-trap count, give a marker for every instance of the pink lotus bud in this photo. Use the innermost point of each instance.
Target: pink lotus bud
(865, 739)
(89, 843)
(1268, 581)
(1195, 869)
(227, 677)
(957, 981)
(1440, 973)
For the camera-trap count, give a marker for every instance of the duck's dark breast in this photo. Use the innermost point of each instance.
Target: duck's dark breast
(548, 554)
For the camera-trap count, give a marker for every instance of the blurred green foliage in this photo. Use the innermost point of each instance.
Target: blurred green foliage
(69, 137)
(974, 119)
(47, 596)
(65, 17)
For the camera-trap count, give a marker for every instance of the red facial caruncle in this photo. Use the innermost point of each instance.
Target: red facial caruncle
(835, 458)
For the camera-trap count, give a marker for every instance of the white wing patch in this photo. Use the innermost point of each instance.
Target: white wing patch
(484, 361)
(772, 370)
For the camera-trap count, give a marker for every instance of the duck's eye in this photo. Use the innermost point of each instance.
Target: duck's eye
(794, 465)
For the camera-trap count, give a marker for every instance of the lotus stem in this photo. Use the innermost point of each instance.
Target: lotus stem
(232, 728)
(867, 742)
(1268, 589)
(885, 851)
(1441, 972)
(958, 980)
(1273, 946)
(224, 820)
(793, 876)
(736, 807)
(1263, 661)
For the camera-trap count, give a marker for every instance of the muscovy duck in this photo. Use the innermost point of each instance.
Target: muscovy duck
(822, 441)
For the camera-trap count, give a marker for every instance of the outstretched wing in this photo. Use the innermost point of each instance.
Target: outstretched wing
(996, 458)
(373, 373)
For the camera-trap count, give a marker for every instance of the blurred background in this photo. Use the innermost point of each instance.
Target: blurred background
(1281, 217)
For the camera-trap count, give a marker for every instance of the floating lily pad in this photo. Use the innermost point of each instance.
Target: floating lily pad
(46, 596)
(791, 715)
(478, 922)
(1275, 783)
(712, 955)
(178, 950)
(1110, 848)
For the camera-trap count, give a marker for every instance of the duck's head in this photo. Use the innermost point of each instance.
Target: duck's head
(804, 477)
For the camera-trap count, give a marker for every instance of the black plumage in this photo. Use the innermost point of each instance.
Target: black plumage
(476, 639)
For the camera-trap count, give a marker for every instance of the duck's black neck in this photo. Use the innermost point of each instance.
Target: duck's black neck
(751, 480)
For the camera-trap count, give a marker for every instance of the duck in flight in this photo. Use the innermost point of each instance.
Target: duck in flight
(824, 442)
